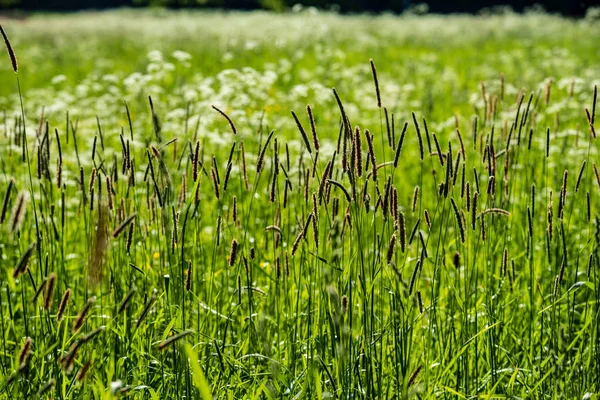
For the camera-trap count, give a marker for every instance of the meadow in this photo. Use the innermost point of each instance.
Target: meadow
(302, 205)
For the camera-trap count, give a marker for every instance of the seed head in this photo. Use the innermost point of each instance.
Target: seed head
(456, 259)
(84, 370)
(344, 305)
(233, 252)
(49, 294)
(63, 305)
(11, 51)
(18, 212)
(391, 246)
(25, 350)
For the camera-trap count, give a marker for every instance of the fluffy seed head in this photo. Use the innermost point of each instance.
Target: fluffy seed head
(84, 370)
(25, 350)
(63, 305)
(21, 266)
(49, 294)
(18, 212)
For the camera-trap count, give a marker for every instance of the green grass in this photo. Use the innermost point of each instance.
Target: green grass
(327, 283)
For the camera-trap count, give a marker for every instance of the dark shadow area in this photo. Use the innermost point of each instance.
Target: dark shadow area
(566, 7)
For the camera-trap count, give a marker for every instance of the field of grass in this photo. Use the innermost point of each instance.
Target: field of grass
(171, 229)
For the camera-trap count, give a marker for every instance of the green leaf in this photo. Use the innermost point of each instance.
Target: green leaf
(199, 378)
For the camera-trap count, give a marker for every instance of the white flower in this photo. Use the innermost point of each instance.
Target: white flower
(114, 386)
(155, 56)
(181, 55)
(58, 79)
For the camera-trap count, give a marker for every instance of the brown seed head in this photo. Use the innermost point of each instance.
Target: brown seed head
(49, 294)
(63, 305)
(11, 51)
(344, 305)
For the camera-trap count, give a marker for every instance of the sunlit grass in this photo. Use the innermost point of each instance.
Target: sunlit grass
(177, 234)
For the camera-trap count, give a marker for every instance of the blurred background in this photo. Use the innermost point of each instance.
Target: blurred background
(565, 7)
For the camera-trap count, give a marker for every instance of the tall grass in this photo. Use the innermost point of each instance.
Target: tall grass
(251, 258)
